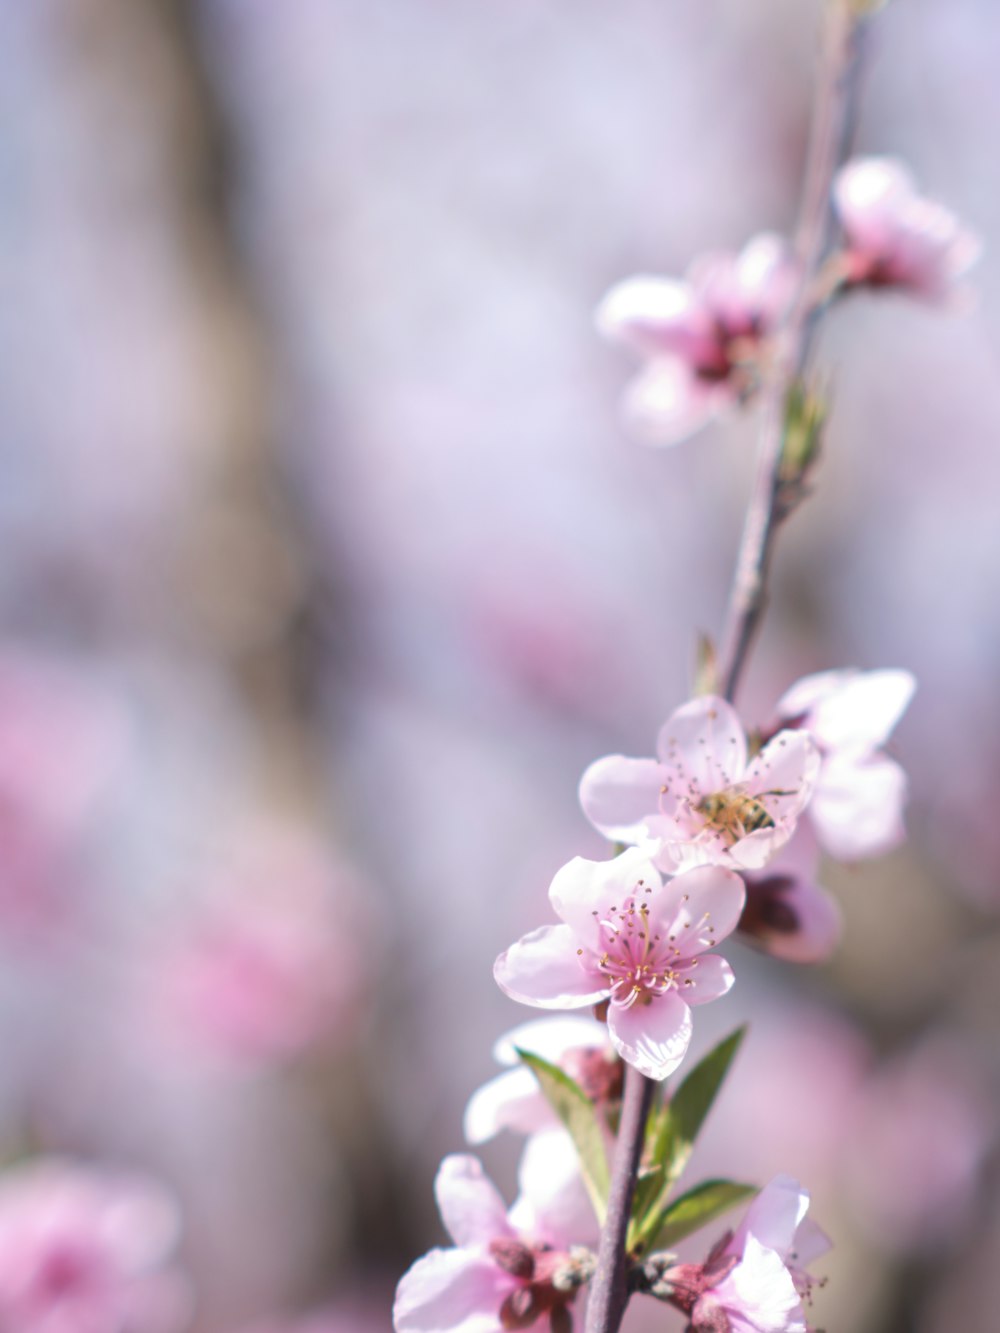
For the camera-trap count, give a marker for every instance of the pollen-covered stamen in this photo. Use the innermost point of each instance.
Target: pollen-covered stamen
(640, 962)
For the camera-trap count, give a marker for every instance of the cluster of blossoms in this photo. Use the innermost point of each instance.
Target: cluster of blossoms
(720, 831)
(706, 339)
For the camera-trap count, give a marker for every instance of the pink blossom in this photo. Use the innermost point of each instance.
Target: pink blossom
(788, 914)
(268, 965)
(895, 237)
(701, 336)
(84, 1251)
(630, 938)
(755, 1279)
(700, 801)
(857, 807)
(513, 1099)
(497, 1276)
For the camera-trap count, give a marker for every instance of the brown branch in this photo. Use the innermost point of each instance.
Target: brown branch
(771, 501)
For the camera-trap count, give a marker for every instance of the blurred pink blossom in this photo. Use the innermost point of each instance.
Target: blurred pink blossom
(920, 1135)
(497, 1276)
(857, 807)
(85, 1251)
(896, 237)
(269, 963)
(701, 802)
(62, 741)
(701, 336)
(631, 938)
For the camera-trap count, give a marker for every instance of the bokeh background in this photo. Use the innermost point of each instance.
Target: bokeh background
(328, 566)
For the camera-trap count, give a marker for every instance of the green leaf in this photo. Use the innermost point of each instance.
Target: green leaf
(576, 1111)
(699, 1206)
(671, 1134)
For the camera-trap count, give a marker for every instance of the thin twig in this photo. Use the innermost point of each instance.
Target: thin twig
(832, 124)
(609, 1287)
(829, 140)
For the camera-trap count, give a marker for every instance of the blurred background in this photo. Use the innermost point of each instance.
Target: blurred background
(328, 567)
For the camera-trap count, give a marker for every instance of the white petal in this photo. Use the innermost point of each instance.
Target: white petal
(859, 716)
(653, 1037)
(451, 1291)
(857, 810)
(706, 906)
(545, 969)
(553, 1205)
(759, 1294)
(667, 403)
(583, 892)
(619, 794)
(550, 1038)
(702, 743)
(471, 1206)
(512, 1100)
(708, 978)
(782, 777)
(775, 1215)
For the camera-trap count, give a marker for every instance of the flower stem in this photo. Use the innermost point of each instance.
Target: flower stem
(771, 501)
(609, 1288)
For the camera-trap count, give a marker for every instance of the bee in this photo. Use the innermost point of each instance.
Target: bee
(734, 813)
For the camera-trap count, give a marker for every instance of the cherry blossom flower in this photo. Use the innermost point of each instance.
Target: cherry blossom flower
(267, 966)
(895, 237)
(630, 938)
(857, 807)
(755, 1279)
(513, 1099)
(788, 914)
(498, 1275)
(84, 1251)
(702, 336)
(700, 802)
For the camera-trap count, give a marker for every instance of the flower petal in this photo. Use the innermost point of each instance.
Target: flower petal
(667, 403)
(703, 743)
(451, 1290)
(543, 968)
(775, 1215)
(470, 1205)
(659, 317)
(653, 1037)
(550, 1038)
(857, 810)
(858, 710)
(618, 795)
(553, 1205)
(759, 1295)
(783, 775)
(512, 1100)
(706, 906)
(708, 977)
(584, 892)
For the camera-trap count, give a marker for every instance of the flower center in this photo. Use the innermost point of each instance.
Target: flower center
(640, 963)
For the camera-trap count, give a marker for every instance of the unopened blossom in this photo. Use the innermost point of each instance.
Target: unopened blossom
(702, 801)
(788, 913)
(755, 1279)
(497, 1276)
(631, 938)
(86, 1251)
(513, 1100)
(702, 336)
(894, 236)
(857, 807)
